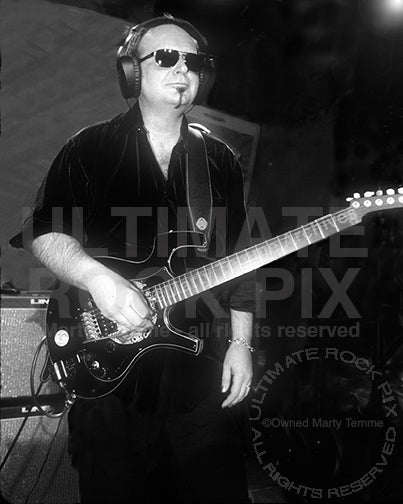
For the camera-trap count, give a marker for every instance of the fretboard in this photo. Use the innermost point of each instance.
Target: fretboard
(235, 265)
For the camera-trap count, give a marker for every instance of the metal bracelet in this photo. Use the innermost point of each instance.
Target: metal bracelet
(243, 342)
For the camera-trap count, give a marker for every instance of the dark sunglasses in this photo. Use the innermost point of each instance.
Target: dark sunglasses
(167, 58)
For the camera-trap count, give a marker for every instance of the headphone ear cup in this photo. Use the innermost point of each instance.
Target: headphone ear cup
(129, 75)
(206, 80)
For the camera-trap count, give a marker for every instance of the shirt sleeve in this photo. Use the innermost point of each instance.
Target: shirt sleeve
(63, 203)
(240, 294)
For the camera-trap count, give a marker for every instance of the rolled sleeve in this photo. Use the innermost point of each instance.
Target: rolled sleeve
(240, 293)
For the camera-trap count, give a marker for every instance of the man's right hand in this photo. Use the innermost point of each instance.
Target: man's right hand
(116, 297)
(120, 301)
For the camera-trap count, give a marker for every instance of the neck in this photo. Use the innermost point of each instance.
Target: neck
(166, 122)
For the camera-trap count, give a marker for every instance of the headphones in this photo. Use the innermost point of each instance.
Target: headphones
(128, 67)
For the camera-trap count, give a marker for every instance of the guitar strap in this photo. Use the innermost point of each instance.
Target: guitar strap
(198, 183)
(200, 199)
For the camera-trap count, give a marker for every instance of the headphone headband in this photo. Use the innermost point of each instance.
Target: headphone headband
(140, 29)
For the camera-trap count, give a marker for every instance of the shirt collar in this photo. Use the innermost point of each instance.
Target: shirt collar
(134, 115)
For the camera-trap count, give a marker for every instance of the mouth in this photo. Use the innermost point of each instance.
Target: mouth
(181, 85)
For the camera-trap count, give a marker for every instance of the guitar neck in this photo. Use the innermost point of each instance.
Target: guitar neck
(235, 265)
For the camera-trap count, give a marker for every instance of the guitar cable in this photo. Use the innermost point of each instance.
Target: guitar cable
(69, 399)
(16, 437)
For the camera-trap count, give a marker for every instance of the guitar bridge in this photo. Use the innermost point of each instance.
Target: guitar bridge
(90, 324)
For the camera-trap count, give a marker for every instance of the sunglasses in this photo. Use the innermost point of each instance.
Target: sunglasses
(167, 58)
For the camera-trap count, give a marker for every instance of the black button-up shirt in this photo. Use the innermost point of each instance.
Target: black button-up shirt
(106, 188)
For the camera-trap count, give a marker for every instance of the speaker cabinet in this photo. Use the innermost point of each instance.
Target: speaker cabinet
(37, 468)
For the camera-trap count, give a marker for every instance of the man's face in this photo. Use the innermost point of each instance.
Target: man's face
(176, 86)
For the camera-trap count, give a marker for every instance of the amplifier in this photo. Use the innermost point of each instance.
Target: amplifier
(37, 468)
(23, 322)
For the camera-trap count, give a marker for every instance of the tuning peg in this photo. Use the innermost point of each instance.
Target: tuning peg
(349, 199)
(379, 192)
(368, 194)
(356, 195)
(390, 192)
(400, 190)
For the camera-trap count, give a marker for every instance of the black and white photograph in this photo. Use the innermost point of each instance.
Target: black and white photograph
(201, 251)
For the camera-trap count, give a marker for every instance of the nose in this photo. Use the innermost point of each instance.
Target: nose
(181, 66)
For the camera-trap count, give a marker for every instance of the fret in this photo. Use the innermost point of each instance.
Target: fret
(201, 280)
(255, 256)
(194, 281)
(334, 222)
(233, 274)
(190, 288)
(262, 259)
(164, 293)
(307, 237)
(314, 231)
(268, 248)
(213, 268)
(320, 229)
(288, 243)
(222, 269)
(207, 277)
(183, 286)
(281, 245)
(273, 248)
(175, 284)
(169, 286)
(157, 295)
(326, 225)
(246, 253)
(293, 241)
(187, 290)
(239, 260)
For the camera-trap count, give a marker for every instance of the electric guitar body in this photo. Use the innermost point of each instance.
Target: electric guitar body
(87, 357)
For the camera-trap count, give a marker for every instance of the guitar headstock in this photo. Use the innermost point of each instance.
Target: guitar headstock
(372, 201)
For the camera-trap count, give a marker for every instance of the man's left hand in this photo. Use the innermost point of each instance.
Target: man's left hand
(237, 374)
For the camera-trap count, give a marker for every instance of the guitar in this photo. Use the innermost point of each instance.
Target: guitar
(87, 358)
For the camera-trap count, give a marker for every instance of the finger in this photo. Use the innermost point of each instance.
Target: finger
(234, 393)
(229, 401)
(134, 320)
(226, 379)
(140, 309)
(145, 320)
(140, 302)
(238, 395)
(129, 318)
